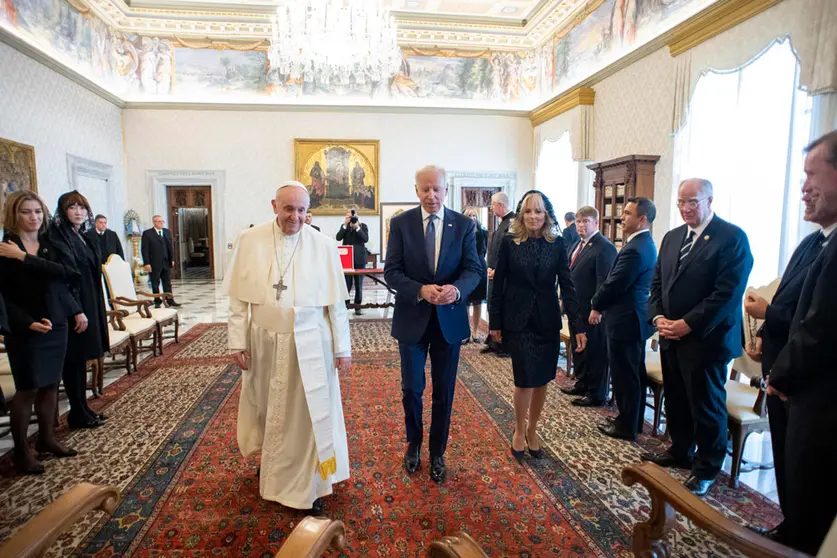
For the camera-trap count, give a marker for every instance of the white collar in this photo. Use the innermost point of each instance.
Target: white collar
(592, 236)
(702, 227)
(829, 229)
(636, 234)
(440, 214)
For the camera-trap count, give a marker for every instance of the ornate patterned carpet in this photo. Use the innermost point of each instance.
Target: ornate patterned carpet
(170, 447)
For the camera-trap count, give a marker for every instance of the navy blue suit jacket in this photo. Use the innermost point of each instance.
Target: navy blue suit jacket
(589, 273)
(407, 270)
(777, 321)
(706, 290)
(623, 298)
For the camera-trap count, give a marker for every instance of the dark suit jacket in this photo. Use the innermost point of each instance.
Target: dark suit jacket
(775, 330)
(315, 227)
(357, 239)
(706, 291)
(157, 252)
(623, 298)
(407, 270)
(571, 238)
(108, 243)
(805, 369)
(4, 321)
(589, 273)
(527, 298)
(497, 240)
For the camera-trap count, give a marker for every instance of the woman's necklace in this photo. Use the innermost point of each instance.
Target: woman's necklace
(280, 286)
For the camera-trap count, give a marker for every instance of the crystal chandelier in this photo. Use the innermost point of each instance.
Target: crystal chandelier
(334, 41)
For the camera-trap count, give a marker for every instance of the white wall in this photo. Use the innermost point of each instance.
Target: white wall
(254, 149)
(42, 108)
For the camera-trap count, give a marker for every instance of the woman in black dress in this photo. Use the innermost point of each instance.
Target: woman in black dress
(524, 313)
(88, 332)
(477, 297)
(38, 304)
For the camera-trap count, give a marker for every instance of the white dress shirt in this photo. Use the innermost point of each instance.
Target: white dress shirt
(699, 229)
(636, 234)
(581, 244)
(828, 230)
(439, 223)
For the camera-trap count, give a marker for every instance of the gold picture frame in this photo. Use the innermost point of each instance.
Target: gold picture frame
(339, 174)
(388, 210)
(17, 170)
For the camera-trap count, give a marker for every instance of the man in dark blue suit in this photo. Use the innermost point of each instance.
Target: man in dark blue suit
(695, 304)
(623, 299)
(590, 262)
(804, 372)
(433, 266)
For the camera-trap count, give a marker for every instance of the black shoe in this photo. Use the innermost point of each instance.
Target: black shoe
(587, 401)
(665, 459)
(610, 429)
(487, 349)
(438, 469)
(503, 354)
(575, 390)
(773, 534)
(87, 423)
(699, 487)
(101, 416)
(537, 454)
(174, 304)
(358, 312)
(157, 305)
(412, 458)
(58, 452)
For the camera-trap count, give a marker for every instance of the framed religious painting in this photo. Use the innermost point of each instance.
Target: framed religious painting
(17, 171)
(339, 174)
(388, 210)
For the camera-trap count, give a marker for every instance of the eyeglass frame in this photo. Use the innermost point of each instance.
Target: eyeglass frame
(691, 203)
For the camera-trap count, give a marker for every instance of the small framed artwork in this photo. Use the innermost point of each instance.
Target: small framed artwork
(388, 210)
(17, 171)
(339, 174)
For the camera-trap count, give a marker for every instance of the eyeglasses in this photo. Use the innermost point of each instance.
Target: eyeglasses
(691, 204)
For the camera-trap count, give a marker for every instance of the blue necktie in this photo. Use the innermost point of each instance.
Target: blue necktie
(430, 243)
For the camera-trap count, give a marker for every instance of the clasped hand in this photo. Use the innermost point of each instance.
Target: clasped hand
(438, 295)
(672, 329)
(11, 250)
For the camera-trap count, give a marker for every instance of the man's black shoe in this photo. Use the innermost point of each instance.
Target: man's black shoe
(699, 487)
(610, 429)
(587, 401)
(575, 390)
(412, 459)
(665, 459)
(438, 469)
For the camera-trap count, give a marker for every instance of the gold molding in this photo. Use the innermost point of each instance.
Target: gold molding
(215, 44)
(445, 52)
(713, 21)
(560, 105)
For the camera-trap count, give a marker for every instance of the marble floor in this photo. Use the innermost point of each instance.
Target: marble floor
(203, 301)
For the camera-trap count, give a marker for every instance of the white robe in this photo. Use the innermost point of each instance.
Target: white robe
(289, 400)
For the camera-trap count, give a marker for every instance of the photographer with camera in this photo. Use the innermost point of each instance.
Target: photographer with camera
(354, 233)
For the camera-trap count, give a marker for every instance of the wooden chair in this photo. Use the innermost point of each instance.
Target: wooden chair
(40, 532)
(746, 409)
(120, 343)
(460, 545)
(565, 338)
(137, 322)
(123, 294)
(312, 537)
(668, 496)
(654, 375)
(7, 391)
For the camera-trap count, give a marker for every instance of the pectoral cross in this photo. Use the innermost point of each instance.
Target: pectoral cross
(280, 287)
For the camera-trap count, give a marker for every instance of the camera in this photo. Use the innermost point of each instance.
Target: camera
(353, 218)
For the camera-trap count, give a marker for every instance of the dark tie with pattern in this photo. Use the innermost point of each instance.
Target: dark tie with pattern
(688, 242)
(430, 243)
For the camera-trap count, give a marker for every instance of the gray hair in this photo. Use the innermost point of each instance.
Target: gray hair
(830, 141)
(501, 198)
(705, 186)
(432, 169)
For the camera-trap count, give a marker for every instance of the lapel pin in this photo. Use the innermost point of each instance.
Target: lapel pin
(450, 224)
(706, 237)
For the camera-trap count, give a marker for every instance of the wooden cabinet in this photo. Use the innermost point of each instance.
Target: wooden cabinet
(616, 181)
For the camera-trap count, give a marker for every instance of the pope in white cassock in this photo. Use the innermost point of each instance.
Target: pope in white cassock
(289, 333)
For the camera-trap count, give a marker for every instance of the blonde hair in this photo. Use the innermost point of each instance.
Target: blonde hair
(472, 213)
(518, 230)
(587, 211)
(15, 200)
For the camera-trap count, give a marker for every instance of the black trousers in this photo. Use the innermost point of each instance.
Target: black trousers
(591, 364)
(627, 370)
(75, 384)
(444, 359)
(358, 281)
(777, 415)
(157, 275)
(696, 408)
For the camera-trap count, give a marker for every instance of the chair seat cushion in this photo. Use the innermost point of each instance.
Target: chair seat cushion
(565, 330)
(653, 366)
(740, 401)
(164, 314)
(5, 367)
(135, 325)
(7, 384)
(116, 337)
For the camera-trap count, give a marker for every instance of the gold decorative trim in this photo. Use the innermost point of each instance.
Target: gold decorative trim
(219, 45)
(713, 21)
(80, 5)
(445, 52)
(560, 105)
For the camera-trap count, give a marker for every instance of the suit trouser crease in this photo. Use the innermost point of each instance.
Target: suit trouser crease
(157, 275)
(358, 282)
(627, 368)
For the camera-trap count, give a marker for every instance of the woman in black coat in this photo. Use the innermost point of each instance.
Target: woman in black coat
(477, 296)
(88, 332)
(524, 311)
(38, 305)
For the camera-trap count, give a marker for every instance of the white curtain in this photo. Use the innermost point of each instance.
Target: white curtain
(745, 131)
(557, 175)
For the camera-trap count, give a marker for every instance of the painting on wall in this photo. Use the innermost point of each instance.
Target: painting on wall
(339, 174)
(388, 210)
(17, 171)
(229, 71)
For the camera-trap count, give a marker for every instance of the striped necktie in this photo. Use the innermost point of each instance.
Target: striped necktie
(688, 243)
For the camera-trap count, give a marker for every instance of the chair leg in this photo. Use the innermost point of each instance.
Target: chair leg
(128, 352)
(100, 377)
(134, 352)
(569, 358)
(738, 437)
(658, 409)
(177, 331)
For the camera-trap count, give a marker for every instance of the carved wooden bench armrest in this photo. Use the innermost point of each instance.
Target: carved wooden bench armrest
(41, 531)
(669, 495)
(141, 305)
(115, 319)
(312, 537)
(460, 545)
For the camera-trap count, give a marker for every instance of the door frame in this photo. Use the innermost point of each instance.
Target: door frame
(157, 181)
(173, 218)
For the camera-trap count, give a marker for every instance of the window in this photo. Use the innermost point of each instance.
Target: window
(745, 133)
(557, 175)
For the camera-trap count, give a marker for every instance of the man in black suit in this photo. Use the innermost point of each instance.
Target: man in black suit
(623, 299)
(695, 304)
(309, 218)
(355, 234)
(500, 207)
(158, 256)
(590, 262)
(570, 233)
(804, 373)
(106, 239)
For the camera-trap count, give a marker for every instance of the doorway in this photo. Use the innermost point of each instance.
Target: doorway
(480, 199)
(190, 220)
